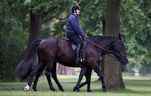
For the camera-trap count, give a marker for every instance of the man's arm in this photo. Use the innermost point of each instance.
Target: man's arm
(76, 26)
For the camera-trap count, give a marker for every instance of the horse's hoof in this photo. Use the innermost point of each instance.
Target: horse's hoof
(52, 89)
(89, 90)
(62, 90)
(76, 90)
(27, 88)
(34, 89)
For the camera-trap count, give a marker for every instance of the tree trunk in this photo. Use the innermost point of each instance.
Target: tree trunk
(112, 70)
(34, 31)
(34, 26)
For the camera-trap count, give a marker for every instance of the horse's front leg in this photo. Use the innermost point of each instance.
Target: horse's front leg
(87, 73)
(78, 85)
(88, 79)
(54, 76)
(48, 76)
(34, 87)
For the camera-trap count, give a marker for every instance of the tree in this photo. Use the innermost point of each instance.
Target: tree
(15, 21)
(112, 68)
(12, 36)
(41, 10)
(136, 25)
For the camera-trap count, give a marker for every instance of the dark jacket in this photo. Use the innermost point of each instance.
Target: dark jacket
(73, 25)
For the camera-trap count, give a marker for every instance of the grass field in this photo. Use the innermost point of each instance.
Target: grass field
(140, 86)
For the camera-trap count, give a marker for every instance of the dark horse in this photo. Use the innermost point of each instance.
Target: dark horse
(116, 48)
(47, 52)
(97, 40)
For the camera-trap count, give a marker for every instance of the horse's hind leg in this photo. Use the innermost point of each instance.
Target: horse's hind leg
(54, 75)
(35, 82)
(35, 71)
(48, 76)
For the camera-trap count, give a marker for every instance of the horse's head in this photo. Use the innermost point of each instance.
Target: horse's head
(119, 51)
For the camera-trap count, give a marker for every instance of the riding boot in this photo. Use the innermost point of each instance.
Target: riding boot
(78, 54)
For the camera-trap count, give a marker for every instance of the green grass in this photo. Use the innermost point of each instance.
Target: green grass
(140, 86)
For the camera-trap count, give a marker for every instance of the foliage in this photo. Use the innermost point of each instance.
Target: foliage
(92, 13)
(15, 24)
(136, 26)
(12, 38)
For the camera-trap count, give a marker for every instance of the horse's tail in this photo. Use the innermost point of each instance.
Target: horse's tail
(25, 66)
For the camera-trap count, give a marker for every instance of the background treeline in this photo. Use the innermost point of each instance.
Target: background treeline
(15, 27)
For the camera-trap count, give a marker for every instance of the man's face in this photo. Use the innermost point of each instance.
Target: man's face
(77, 12)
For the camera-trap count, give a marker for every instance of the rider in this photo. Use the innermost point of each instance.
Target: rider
(74, 32)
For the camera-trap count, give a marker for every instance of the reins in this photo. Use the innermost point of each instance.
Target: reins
(97, 45)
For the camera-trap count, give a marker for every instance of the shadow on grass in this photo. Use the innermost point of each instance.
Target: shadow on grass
(138, 83)
(126, 91)
(134, 91)
(11, 86)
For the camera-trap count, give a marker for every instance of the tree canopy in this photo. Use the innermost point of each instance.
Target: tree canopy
(15, 23)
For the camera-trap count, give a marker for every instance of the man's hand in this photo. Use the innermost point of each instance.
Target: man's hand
(83, 36)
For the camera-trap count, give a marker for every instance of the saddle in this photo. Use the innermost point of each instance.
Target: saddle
(72, 44)
(74, 47)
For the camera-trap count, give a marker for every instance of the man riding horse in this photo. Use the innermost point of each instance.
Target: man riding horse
(46, 53)
(74, 32)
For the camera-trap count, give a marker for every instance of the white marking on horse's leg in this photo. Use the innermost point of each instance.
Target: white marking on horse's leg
(81, 60)
(42, 41)
(27, 88)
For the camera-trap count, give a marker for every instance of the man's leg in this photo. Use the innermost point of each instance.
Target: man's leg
(78, 42)
(78, 53)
